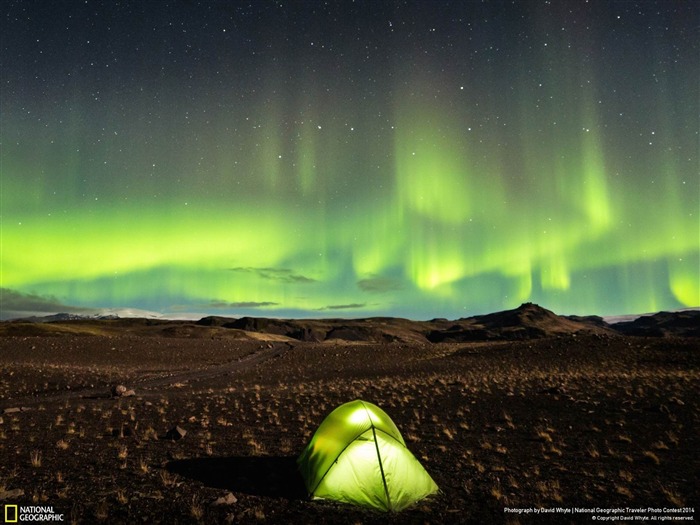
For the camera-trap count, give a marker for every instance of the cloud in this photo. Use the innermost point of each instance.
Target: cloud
(283, 275)
(12, 301)
(379, 284)
(344, 306)
(242, 304)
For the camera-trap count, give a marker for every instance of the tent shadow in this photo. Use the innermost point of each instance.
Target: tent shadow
(272, 476)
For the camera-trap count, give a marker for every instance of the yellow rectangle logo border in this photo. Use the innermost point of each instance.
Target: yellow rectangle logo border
(7, 519)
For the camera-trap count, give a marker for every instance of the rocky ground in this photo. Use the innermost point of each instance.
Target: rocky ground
(589, 420)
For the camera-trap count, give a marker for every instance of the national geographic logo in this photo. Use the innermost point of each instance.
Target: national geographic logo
(10, 513)
(19, 514)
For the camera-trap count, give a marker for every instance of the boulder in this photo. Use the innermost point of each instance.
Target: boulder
(176, 433)
(228, 499)
(122, 391)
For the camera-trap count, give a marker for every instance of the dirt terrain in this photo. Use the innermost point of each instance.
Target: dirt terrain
(586, 418)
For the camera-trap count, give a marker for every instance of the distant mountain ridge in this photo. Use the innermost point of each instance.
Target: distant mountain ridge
(528, 321)
(61, 317)
(685, 323)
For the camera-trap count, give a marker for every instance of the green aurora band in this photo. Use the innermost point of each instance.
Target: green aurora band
(408, 204)
(448, 231)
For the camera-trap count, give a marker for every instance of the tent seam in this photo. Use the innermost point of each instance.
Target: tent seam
(350, 443)
(379, 456)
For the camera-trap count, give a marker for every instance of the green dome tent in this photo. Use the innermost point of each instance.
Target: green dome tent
(358, 456)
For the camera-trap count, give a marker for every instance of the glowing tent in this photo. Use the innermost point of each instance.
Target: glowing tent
(358, 456)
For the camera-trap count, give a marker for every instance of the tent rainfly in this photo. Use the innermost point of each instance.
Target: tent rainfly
(358, 456)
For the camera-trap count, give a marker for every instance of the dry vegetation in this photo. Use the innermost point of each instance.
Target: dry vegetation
(588, 421)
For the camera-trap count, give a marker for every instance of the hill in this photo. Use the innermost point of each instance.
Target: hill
(528, 321)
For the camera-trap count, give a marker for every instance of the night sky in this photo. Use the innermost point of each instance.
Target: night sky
(417, 159)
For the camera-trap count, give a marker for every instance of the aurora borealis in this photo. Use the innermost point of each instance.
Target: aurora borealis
(415, 159)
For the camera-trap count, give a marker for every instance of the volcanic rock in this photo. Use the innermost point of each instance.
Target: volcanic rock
(228, 499)
(14, 410)
(176, 433)
(122, 391)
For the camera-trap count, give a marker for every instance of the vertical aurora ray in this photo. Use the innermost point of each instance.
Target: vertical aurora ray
(307, 158)
(428, 161)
